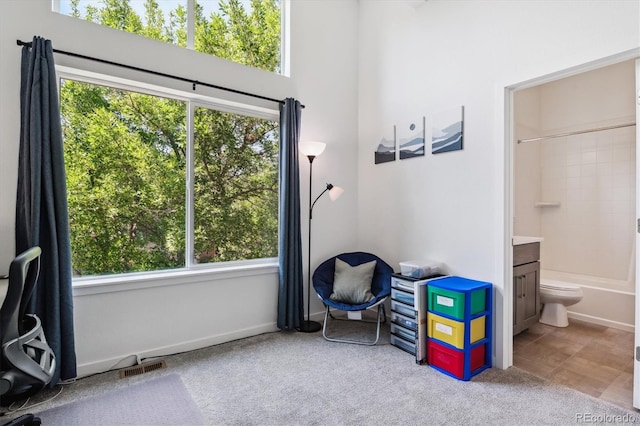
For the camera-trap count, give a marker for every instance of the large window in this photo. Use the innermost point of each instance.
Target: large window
(158, 183)
(249, 32)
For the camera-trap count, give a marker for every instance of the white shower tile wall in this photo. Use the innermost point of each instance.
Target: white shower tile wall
(592, 176)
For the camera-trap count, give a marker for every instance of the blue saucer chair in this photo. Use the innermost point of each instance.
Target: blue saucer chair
(323, 284)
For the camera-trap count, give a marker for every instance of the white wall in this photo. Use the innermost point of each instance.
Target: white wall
(160, 316)
(324, 71)
(526, 220)
(592, 176)
(420, 58)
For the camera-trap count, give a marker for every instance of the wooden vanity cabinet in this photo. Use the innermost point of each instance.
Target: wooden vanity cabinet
(526, 286)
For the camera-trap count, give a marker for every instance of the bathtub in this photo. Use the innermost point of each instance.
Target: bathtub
(606, 301)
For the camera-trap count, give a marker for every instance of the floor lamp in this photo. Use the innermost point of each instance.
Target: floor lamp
(312, 150)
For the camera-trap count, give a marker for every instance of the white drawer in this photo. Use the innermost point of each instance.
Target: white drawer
(402, 296)
(403, 332)
(405, 285)
(404, 321)
(403, 344)
(403, 308)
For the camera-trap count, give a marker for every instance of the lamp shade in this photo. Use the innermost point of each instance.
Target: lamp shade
(335, 193)
(311, 148)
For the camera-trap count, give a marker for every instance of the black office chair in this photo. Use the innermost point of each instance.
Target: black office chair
(27, 363)
(25, 420)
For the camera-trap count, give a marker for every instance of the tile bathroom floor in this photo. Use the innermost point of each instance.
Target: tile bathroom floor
(590, 358)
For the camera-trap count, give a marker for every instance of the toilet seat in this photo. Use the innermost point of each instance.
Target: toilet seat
(558, 285)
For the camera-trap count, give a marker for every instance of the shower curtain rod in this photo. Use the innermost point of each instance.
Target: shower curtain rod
(577, 132)
(161, 74)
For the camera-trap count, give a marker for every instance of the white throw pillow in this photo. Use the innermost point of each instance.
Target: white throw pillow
(352, 284)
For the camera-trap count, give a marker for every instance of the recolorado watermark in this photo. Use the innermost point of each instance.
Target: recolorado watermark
(605, 418)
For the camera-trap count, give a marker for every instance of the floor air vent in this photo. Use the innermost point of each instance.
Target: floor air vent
(142, 368)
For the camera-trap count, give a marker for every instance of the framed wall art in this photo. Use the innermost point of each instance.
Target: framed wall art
(386, 150)
(411, 138)
(447, 133)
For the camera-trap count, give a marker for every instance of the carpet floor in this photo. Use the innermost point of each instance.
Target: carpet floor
(290, 378)
(161, 400)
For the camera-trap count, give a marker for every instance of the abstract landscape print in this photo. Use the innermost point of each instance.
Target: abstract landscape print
(447, 130)
(386, 150)
(411, 139)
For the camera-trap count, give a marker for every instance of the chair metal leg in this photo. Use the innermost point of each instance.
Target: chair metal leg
(384, 317)
(381, 313)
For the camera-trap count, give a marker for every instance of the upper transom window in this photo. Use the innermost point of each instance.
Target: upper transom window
(248, 32)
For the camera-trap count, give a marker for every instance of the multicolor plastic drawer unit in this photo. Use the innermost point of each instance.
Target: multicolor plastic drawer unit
(459, 326)
(461, 364)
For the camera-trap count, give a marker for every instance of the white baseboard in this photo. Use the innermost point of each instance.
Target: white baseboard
(129, 359)
(318, 316)
(602, 321)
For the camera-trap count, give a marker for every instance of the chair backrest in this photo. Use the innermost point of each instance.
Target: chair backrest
(23, 275)
(27, 363)
(324, 274)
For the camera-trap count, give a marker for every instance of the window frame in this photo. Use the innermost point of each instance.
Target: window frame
(192, 271)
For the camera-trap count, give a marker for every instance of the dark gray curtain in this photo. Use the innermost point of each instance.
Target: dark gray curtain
(290, 291)
(42, 218)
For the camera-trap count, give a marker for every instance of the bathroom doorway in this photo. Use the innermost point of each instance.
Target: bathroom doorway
(574, 186)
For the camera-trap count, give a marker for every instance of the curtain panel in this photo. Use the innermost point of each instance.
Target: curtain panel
(42, 217)
(290, 290)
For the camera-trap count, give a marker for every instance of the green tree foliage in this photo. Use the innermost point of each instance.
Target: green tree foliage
(248, 38)
(126, 154)
(239, 154)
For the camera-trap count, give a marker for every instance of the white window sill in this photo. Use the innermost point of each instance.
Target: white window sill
(124, 282)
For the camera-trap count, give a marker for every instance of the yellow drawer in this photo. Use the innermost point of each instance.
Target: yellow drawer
(452, 332)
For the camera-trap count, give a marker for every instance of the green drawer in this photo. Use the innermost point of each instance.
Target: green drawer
(452, 303)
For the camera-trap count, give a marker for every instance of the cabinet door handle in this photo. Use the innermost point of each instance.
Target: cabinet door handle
(524, 286)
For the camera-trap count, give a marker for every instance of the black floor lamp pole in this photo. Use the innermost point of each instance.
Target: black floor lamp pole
(309, 326)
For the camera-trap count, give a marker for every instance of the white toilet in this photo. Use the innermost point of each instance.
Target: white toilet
(556, 296)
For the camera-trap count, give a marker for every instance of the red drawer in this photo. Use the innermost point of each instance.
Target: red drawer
(454, 361)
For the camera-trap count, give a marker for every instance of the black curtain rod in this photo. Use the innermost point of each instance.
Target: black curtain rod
(161, 74)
